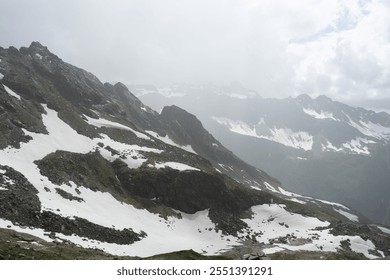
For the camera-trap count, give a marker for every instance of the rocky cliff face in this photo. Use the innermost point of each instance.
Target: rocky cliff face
(85, 163)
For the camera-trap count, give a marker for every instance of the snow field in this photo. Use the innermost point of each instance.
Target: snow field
(11, 92)
(37, 232)
(194, 231)
(102, 208)
(322, 115)
(174, 165)
(384, 230)
(62, 137)
(285, 136)
(348, 215)
(169, 141)
(106, 123)
(274, 221)
(370, 129)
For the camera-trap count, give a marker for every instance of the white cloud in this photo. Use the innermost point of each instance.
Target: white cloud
(339, 48)
(354, 56)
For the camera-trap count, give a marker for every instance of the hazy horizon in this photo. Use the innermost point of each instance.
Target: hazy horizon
(340, 49)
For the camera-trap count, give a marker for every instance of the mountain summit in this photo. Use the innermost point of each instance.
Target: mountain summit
(87, 165)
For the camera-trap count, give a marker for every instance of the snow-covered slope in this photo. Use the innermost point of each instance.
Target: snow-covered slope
(284, 136)
(88, 164)
(192, 231)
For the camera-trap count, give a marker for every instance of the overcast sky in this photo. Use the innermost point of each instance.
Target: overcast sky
(279, 48)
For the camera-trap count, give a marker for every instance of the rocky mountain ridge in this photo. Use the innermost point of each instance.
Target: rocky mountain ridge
(314, 146)
(86, 163)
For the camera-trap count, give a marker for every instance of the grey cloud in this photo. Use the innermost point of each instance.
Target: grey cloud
(170, 41)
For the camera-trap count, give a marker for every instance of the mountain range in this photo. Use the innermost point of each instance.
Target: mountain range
(317, 147)
(88, 171)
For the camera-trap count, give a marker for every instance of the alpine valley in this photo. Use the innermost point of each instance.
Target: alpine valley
(87, 171)
(317, 147)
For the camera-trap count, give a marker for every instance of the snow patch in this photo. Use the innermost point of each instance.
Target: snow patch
(360, 245)
(192, 231)
(330, 147)
(289, 194)
(269, 187)
(301, 158)
(169, 141)
(33, 231)
(62, 137)
(371, 129)
(297, 200)
(174, 165)
(272, 221)
(299, 140)
(106, 123)
(383, 229)
(8, 180)
(357, 146)
(348, 215)
(11, 92)
(321, 115)
(285, 136)
(333, 204)
(1, 76)
(237, 126)
(130, 154)
(273, 250)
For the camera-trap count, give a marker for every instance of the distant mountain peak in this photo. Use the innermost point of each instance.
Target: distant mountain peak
(304, 98)
(322, 98)
(35, 45)
(39, 50)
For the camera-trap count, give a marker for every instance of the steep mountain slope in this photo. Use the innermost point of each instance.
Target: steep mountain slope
(87, 163)
(319, 147)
